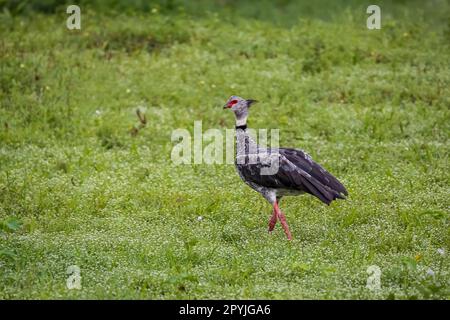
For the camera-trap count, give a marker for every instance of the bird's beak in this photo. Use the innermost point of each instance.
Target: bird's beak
(250, 102)
(226, 106)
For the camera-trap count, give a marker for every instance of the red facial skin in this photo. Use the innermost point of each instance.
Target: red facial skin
(231, 103)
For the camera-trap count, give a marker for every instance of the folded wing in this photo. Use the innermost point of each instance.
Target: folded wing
(296, 171)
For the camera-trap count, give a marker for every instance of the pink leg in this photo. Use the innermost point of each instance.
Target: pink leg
(283, 221)
(273, 220)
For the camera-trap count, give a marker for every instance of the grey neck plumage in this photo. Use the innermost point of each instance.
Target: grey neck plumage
(244, 142)
(241, 121)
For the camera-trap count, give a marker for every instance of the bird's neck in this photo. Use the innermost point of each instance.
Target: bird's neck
(244, 142)
(241, 121)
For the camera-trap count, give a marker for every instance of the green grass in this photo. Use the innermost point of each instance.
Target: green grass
(76, 188)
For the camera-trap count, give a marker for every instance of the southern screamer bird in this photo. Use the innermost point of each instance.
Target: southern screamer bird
(278, 172)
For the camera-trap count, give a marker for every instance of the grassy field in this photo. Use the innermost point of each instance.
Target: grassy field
(78, 188)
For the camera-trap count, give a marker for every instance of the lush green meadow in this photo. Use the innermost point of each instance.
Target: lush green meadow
(79, 186)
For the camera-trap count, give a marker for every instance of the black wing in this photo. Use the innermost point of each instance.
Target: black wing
(302, 160)
(290, 176)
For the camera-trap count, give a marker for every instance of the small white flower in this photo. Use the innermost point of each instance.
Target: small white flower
(199, 218)
(440, 251)
(98, 112)
(430, 272)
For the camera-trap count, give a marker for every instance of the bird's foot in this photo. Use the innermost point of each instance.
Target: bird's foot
(280, 215)
(285, 226)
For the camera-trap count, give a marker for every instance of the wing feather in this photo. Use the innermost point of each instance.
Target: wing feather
(302, 160)
(290, 175)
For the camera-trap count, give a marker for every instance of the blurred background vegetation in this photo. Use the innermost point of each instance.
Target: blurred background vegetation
(282, 12)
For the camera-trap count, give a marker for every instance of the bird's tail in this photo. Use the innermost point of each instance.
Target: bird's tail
(321, 191)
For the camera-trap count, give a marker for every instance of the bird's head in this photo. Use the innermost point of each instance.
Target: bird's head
(239, 106)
